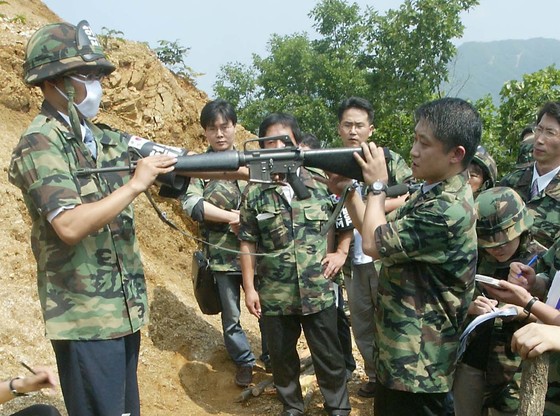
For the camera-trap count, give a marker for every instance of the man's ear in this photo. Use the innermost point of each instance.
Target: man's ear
(457, 154)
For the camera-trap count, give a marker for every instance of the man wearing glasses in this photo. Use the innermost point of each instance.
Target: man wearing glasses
(355, 126)
(215, 204)
(539, 183)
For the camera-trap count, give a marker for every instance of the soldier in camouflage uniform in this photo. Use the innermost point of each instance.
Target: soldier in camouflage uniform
(292, 292)
(89, 272)
(539, 183)
(525, 154)
(526, 283)
(483, 171)
(355, 126)
(215, 205)
(487, 376)
(427, 248)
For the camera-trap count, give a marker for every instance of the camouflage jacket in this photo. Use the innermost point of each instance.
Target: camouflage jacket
(428, 252)
(489, 346)
(291, 280)
(545, 207)
(224, 194)
(96, 288)
(397, 169)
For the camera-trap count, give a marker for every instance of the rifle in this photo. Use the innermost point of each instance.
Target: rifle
(263, 164)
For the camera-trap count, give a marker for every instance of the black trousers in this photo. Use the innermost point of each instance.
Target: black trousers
(98, 378)
(320, 329)
(38, 410)
(388, 402)
(344, 334)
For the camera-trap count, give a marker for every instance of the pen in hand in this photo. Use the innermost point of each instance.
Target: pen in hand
(530, 263)
(484, 294)
(27, 367)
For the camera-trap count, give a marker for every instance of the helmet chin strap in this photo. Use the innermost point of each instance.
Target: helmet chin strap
(72, 113)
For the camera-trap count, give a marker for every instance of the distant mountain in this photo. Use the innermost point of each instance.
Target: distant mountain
(482, 68)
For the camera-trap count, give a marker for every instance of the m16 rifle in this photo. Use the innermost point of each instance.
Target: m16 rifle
(264, 164)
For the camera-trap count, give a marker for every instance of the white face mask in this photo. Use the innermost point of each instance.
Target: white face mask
(89, 107)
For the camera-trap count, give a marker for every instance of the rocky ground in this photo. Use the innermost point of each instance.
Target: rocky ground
(184, 368)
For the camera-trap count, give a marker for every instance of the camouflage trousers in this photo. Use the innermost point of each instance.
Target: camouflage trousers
(473, 395)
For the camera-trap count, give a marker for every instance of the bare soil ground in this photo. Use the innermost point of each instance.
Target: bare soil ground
(184, 368)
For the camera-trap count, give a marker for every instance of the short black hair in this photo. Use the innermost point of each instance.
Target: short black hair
(359, 103)
(311, 141)
(213, 109)
(454, 122)
(552, 108)
(528, 129)
(283, 119)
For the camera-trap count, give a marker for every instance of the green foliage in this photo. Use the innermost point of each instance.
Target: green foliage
(397, 61)
(108, 34)
(173, 56)
(2, 15)
(19, 18)
(520, 102)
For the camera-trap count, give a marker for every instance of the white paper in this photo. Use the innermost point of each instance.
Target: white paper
(553, 298)
(498, 313)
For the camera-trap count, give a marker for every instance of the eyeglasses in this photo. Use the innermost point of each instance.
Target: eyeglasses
(90, 77)
(358, 126)
(224, 128)
(546, 132)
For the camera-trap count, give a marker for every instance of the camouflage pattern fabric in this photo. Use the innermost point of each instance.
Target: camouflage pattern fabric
(428, 253)
(397, 169)
(291, 279)
(60, 48)
(225, 195)
(502, 366)
(525, 155)
(502, 217)
(96, 288)
(545, 207)
(488, 165)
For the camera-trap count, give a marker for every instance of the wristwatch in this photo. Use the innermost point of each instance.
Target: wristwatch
(377, 188)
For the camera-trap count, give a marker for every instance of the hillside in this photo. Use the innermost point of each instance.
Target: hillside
(184, 368)
(482, 68)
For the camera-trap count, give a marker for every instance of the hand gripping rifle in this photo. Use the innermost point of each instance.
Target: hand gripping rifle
(263, 164)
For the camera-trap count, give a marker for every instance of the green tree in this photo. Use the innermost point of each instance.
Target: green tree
(397, 61)
(173, 55)
(520, 102)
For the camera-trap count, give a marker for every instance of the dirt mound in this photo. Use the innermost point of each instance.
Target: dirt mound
(184, 368)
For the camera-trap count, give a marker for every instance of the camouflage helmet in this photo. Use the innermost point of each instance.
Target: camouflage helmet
(502, 217)
(483, 159)
(525, 155)
(60, 48)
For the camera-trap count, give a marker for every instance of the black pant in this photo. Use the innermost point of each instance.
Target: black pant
(320, 329)
(38, 410)
(388, 402)
(98, 378)
(344, 335)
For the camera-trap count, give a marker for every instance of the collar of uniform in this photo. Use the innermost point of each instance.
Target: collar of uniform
(451, 184)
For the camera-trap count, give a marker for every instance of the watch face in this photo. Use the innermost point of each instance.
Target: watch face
(378, 186)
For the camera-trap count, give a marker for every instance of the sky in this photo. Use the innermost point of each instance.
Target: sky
(219, 32)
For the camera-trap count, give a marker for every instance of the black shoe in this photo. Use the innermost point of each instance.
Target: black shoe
(367, 389)
(267, 366)
(244, 375)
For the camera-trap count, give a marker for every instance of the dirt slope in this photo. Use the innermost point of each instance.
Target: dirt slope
(184, 368)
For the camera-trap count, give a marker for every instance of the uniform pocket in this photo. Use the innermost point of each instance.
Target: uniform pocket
(275, 234)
